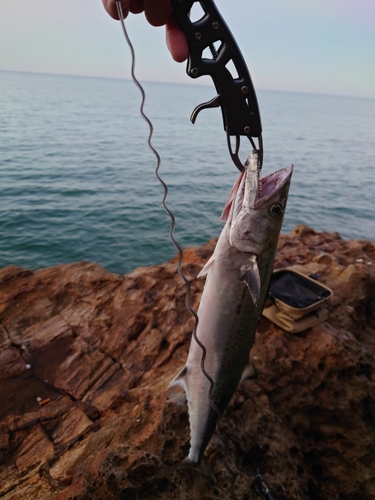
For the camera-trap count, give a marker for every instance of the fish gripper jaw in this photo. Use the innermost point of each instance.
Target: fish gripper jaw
(236, 94)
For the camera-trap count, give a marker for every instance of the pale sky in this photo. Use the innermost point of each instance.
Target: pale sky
(318, 46)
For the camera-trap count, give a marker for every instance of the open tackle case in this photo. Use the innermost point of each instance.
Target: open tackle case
(296, 301)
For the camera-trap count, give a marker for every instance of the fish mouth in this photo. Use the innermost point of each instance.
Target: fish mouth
(259, 207)
(257, 191)
(270, 185)
(252, 192)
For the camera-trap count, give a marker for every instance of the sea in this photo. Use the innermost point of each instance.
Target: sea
(77, 179)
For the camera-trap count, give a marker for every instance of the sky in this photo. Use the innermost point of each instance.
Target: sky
(314, 46)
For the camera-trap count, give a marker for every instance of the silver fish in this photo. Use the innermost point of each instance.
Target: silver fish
(238, 275)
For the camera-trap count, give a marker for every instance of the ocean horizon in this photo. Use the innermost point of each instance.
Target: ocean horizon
(78, 183)
(195, 83)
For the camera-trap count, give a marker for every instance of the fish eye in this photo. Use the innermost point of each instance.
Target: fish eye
(276, 210)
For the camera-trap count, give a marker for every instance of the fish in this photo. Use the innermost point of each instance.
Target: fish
(235, 292)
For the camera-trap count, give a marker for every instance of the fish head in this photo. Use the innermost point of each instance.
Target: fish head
(258, 210)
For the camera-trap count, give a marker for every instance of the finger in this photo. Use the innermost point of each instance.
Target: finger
(158, 13)
(176, 41)
(136, 6)
(111, 8)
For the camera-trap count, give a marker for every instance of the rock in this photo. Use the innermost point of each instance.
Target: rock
(86, 357)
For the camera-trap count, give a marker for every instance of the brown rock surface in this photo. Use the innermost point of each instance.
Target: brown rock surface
(98, 350)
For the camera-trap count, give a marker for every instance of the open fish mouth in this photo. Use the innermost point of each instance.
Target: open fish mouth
(270, 185)
(258, 209)
(251, 192)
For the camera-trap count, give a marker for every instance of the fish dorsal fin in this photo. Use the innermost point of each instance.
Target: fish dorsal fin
(180, 379)
(208, 265)
(252, 279)
(249, 372)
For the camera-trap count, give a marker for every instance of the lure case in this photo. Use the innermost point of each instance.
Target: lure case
(297, 301)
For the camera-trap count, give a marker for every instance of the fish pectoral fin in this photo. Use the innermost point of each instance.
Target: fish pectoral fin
(180, 379)
(249, 372)
(207, 266)
(251, 277)
(232, 197)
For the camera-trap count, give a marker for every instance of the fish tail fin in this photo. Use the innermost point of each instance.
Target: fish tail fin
(201, 467)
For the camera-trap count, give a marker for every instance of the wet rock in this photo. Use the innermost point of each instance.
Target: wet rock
(86, 357)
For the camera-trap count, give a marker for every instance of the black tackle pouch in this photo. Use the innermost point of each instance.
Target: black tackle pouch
(297, 300)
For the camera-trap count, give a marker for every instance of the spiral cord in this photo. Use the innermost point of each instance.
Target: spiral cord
(165, 206)
(174, 241)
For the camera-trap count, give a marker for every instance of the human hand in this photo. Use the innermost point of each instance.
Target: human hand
(158, 13)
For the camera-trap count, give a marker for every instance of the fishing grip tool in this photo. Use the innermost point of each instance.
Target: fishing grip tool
(236, 94)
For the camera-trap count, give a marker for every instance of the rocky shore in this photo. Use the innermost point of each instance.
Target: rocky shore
(86, 357)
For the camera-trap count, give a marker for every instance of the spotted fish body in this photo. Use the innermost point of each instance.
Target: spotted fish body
(234, 295)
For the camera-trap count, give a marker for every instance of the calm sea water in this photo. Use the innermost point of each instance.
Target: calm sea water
(77, 178)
